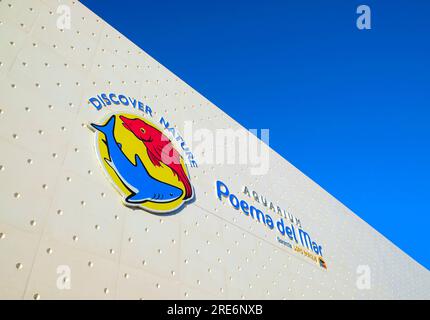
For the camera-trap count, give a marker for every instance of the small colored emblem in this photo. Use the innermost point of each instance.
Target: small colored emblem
(322, 263)
(142, 163)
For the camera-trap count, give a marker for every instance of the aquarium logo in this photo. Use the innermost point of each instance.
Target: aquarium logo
(142, 163)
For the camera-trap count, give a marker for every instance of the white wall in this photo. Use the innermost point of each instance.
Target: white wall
(53, 192)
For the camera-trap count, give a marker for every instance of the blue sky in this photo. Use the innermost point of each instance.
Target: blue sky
(349, 108)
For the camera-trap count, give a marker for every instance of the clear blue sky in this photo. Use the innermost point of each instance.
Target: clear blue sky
(349, 108)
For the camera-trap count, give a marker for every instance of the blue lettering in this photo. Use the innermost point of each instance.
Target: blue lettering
(105, 99)
(96, 103)
(164, 122)
(140, 106)
(244, 206)
(269, 221)
(133, 102)
(221, 193)
(234, 201)
(123, 100)
(280, 226)
(289, 233)
(100, 99)
(148, 110)
(111, 96)
(259, 214)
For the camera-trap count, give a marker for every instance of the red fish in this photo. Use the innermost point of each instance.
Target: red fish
(159, 148)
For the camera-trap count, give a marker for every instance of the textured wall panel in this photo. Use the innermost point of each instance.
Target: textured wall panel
(64, 232)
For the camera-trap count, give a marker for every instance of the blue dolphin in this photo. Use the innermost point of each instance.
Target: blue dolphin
(135, 177)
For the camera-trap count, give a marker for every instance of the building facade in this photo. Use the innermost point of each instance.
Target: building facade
(90, 208)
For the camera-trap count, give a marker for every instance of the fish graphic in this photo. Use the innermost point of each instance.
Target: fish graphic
(135, 176)
(160, 149)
